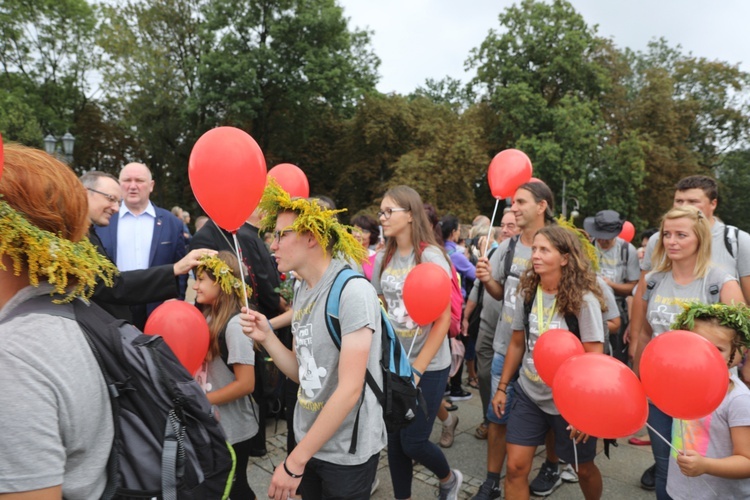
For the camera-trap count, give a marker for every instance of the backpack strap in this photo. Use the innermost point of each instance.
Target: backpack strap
(651, 284)
(713, 281)
(730, 242)
(333, 303)
(508, 263)
(624, 253)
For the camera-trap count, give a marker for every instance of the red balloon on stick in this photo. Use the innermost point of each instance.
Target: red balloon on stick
(600, 396)
(227, 172)
(292, 179)
(628, 231)
(427, 292)
(184, 329)
(553, 348)
(684, 374)
(508, 170)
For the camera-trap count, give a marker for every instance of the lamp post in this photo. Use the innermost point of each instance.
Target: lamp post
(64, 152)
(574, 213)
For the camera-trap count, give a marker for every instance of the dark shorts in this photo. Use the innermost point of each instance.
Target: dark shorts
(331, 481)
(528, 425)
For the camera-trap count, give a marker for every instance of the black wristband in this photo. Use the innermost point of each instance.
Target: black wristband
(502, 390)
(295, 476)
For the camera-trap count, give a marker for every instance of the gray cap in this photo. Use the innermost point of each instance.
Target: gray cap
(604, 226)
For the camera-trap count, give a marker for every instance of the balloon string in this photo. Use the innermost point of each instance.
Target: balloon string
(575, 455)
(241, 266)
(662, 437)
(489, 231)
(412, 343)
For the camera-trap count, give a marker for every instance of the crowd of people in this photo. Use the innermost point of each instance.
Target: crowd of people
(533, 273)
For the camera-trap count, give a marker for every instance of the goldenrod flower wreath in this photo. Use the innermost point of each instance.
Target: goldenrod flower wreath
(311, 217)
(736, 317)
(588, 248)
(52, 258)
(224, 276)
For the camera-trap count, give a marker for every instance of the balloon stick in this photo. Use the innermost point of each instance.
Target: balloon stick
(241, 265)
(489, 231)
(663, 438)
(412, 343)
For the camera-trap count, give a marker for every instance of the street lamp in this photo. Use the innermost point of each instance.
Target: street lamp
(565, 199)
(52, 148)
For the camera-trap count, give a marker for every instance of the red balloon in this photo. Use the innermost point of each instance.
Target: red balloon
(628, 231)
(427, 292)
(508, 170)
(184, 329)
(553, 348)
(684, 374)
(600, 396)
(292, 179)
(227, 172)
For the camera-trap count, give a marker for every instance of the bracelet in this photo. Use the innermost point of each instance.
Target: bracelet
(503, 383)
(416, 372)
(502, 390)
(295, 476)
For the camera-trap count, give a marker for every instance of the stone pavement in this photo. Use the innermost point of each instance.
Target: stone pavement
(468, 454)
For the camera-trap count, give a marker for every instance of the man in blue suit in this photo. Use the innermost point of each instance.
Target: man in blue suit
(142, 235)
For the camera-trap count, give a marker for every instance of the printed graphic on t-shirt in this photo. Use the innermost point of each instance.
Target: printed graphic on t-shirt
(310, 375)
(691, 435)
(393, 291)
(667, 310)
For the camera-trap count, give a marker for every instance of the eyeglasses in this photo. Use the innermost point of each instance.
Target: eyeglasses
(389, 211)
(112, 199)
(278, 234)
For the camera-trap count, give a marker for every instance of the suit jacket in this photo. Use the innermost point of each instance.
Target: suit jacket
(167, 247)
(133, 287)
(262, 276)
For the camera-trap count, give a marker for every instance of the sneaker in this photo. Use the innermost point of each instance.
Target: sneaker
(488, 491)
(648, 479)
(547, 480)
(568, 473)
(449, 433)
(451, 492)
(374, 486)
(460, 395)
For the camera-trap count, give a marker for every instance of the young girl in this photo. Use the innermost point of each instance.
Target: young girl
(717, 447)
(559, 285)
(410, 242)
(228, 370)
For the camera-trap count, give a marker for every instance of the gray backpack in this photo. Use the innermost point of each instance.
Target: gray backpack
(167, 443)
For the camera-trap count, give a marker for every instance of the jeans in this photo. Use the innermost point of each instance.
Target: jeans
(413, 442)
(663, 425)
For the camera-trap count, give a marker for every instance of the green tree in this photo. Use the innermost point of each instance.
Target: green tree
(47, 53)
(734, 176)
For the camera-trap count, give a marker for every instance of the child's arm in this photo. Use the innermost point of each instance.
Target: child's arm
(243, 385)
(736, 466)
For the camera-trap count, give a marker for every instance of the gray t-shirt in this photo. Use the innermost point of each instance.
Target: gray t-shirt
(391, 286)
(318, 359)
(612, 265)
(56, 416)
(491, 308)
(521, 261)
(238, 418)
(612, 311)
(590, 327)
(664, 302)
(711, 437)
(737, 266)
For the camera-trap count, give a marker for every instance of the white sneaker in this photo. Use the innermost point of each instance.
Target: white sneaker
(452, 493)
(568, 473)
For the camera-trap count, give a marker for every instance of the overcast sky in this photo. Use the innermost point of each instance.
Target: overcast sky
(420, 39)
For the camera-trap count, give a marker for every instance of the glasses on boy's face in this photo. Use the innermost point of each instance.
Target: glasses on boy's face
(386, 214)
(277, 235)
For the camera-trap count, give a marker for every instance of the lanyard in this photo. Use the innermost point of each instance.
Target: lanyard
(540, 310)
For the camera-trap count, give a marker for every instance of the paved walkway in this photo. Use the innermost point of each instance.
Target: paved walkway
(621, 473)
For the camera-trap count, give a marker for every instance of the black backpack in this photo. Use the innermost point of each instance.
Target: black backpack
(167, 444)
(400, 397)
